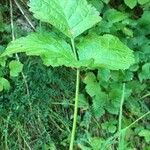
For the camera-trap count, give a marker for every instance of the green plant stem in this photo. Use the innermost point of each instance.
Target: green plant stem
(76, 100)
(24, 14)
(55, 103)
(74, 49)
(120, 116)
(111, 139)
(136, 121)
(146, 95)
(6, 131)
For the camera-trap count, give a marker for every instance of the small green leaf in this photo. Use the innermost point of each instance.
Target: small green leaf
(98, 97)
(128, 32)
(106, 1)
(144, 20)
(103, 74)
(99, 104)
(109, 126)
(96, 143)
(114, 16)
(2, 60)
(145, 73)
(83, 104)
(15, 68)
(92, 86)
(131, 3)
(4, 84)
(72, 17)
(146, 134)
(105, 51)
(97, 4)
(142, 2)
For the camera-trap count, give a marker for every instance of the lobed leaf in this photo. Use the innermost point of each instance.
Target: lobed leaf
(93, 89)
(105, 51)
(72, 17)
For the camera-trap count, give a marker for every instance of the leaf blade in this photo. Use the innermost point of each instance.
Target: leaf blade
(105, 51)
(53, 50)
(15, 68)
(70, 17)
(131, 3)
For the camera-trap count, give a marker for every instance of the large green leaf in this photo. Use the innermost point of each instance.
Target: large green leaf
(53, 50)
(105, 51)
(94, 51)
(72, 17)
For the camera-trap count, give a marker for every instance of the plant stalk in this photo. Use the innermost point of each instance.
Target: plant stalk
(110, 140)
(25, 16)
(76, 100)
(120, 139)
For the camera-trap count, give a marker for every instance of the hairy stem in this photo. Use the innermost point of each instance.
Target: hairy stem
(76, 100)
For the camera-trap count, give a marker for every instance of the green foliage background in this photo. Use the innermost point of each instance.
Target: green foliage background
(44, 120)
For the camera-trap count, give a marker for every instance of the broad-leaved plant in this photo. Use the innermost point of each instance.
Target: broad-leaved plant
(72, 18)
